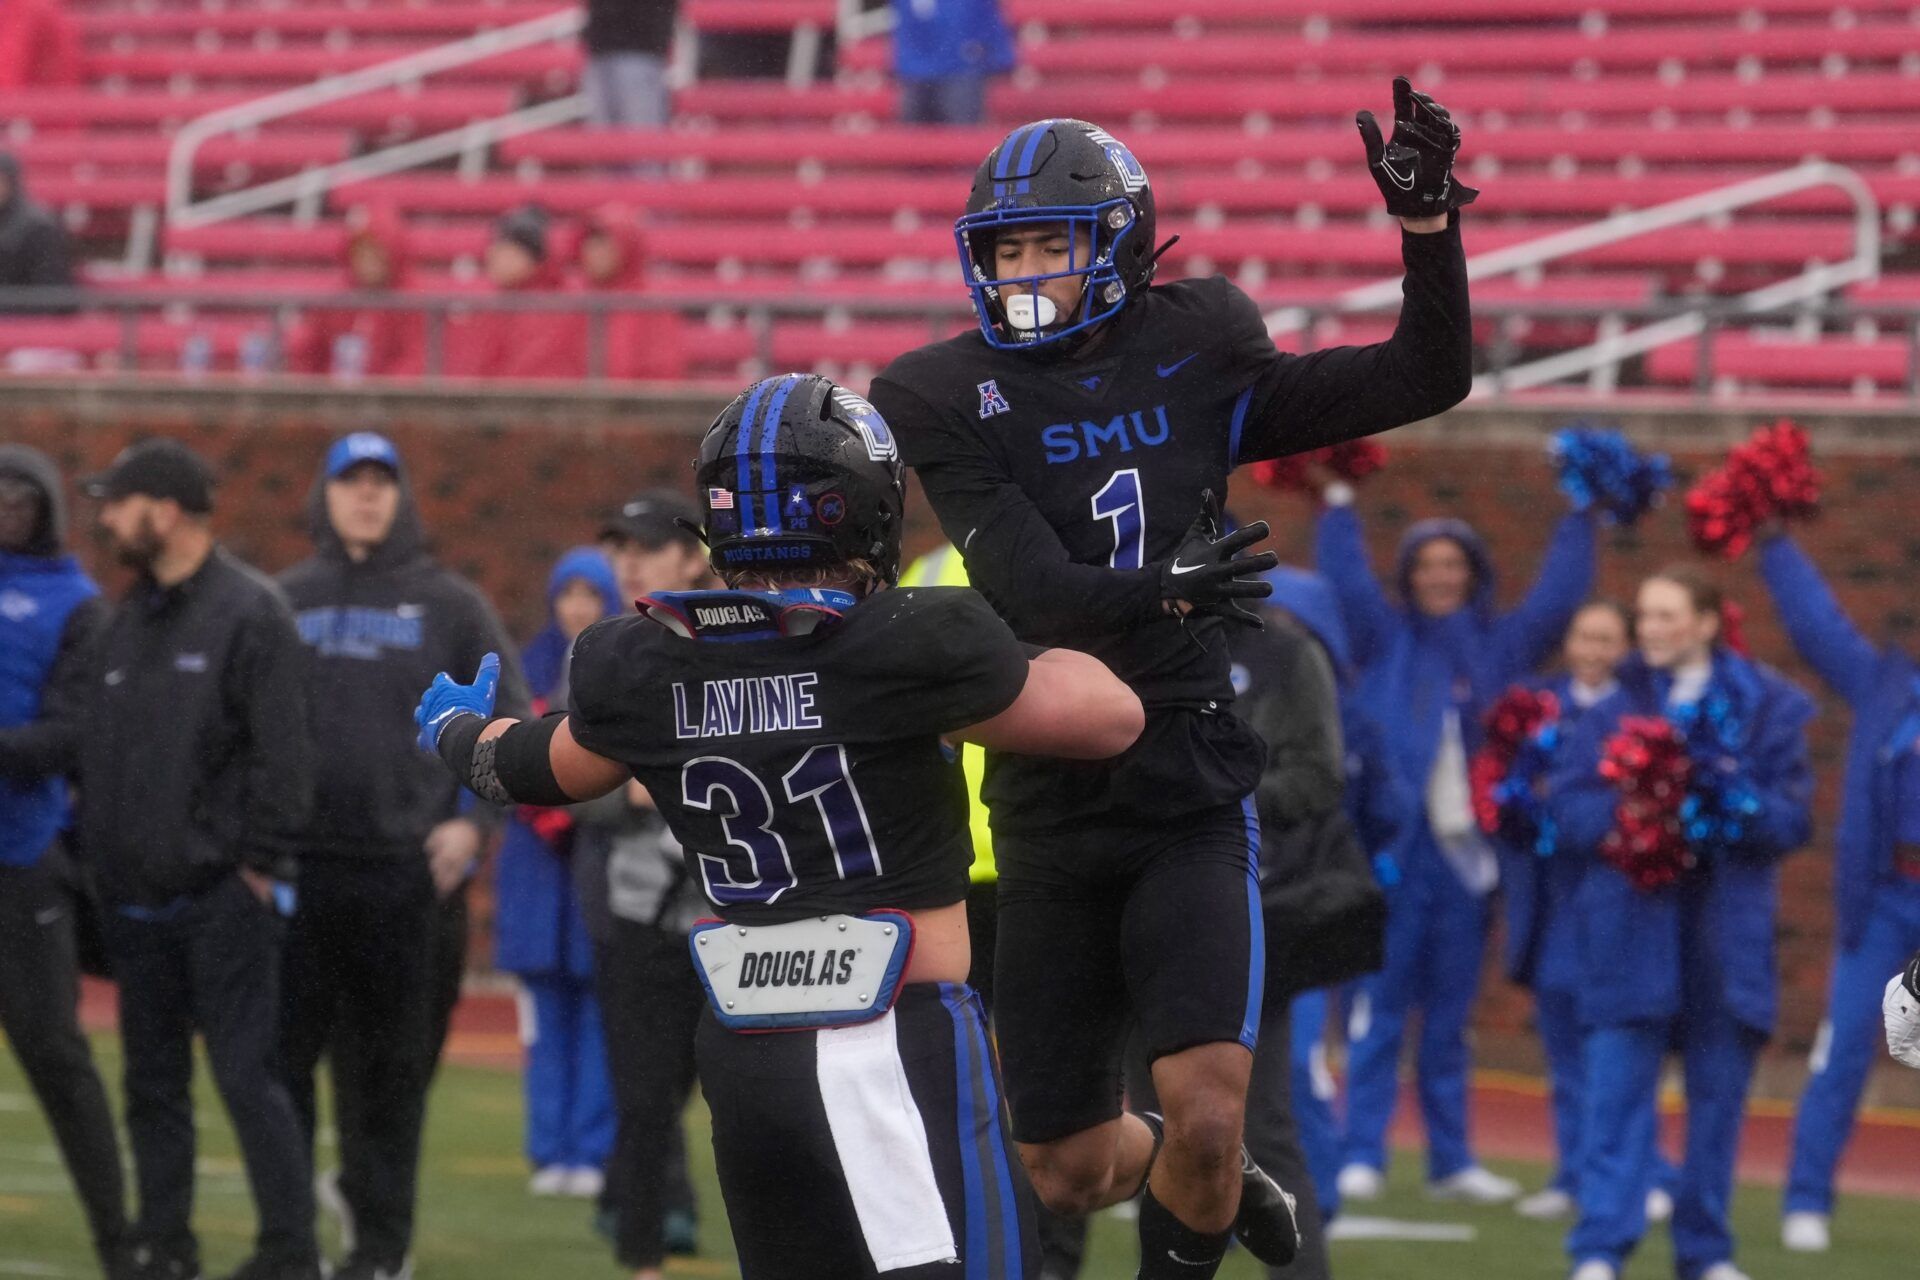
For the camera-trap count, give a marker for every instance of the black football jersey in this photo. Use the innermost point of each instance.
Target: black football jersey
(804, 774)
(1064, 479)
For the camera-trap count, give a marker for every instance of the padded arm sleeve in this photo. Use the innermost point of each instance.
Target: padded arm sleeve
(513, 768)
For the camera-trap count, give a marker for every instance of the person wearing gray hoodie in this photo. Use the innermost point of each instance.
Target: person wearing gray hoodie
(50, 612)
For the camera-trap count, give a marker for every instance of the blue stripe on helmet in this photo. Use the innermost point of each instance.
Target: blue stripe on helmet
(769, 436)
(743, 475)
(1002, 167)
(1033, 145)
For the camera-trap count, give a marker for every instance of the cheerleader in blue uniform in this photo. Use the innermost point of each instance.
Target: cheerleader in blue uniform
(1674, 948)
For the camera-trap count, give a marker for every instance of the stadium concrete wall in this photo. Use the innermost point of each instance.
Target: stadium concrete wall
(509, 479)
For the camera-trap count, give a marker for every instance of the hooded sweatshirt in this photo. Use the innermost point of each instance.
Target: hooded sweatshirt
(33, 244)
(50, 612)
(538, 926)
(377, 632)
(1428, 680)
(521, 344)
(648, 345)
(350, 341)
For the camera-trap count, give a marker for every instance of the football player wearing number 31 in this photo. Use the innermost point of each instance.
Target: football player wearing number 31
(790, 730)
(1067, 448)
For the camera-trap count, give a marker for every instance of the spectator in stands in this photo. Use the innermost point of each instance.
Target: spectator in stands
(1432, 657)
(943, 53)
(354, 342)
(519, 343)
(40, 46)
(539, 935)
(33, 244)
(626, 74)
(378, 617)
(195, 781)
(610, 257)
(50, 612)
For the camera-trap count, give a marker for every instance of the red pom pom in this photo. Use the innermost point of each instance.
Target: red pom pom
(1648, 763)
(554, 826)
(1517, 715)
(1771, 475)
(1351, 460)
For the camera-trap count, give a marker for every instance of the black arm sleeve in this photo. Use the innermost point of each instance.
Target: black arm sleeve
(514, 768)
(266, 691)
(50, 742)
(1341, 393)
(1013, 555)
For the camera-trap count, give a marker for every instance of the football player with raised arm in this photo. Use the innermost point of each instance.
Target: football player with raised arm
(793, 729)
(1066, 448)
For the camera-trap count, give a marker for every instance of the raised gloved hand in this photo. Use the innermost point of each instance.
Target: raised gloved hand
(1414, 168)
(1209, 576)
(1901, 1008)
(446, 700)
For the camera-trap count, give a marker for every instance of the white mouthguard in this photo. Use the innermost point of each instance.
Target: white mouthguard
(1031, 311)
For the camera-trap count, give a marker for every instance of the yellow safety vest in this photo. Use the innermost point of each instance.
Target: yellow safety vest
(945, 568)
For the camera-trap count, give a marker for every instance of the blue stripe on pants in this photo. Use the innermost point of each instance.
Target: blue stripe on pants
(1256, 932)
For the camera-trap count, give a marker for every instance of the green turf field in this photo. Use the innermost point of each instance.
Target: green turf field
(479, 1224)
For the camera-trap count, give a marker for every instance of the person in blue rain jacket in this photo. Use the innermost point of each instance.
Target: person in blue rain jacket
(1688, 966)
(1876, 869)
(1537, 890)
(1430, 662)
(943, 53)
(539, 934)
(1384, 813)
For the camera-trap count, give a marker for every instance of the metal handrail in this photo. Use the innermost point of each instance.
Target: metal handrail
(760, 312)
(183, 212)
(1612, 348)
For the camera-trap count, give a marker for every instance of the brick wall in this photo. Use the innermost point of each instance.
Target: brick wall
(506, 483)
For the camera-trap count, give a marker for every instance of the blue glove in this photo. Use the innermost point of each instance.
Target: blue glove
(446, 700)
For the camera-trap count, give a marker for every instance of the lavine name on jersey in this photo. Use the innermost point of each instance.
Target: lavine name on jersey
(744, 705)
(829, 968)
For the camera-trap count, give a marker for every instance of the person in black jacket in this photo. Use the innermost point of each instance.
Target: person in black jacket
(626, 74)
(195, 771)
(390, 833)
(50, 612)
(33, 244)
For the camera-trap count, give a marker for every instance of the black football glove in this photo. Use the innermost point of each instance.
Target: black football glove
(1912, 978)
(1206, 575)
(1414, 169)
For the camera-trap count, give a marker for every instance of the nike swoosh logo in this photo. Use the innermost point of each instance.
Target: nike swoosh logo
(1186, 568)
(1405, 184)
(1168, 370)
(1188, 1262)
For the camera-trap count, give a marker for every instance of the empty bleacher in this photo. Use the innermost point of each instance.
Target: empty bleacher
(1241, 110)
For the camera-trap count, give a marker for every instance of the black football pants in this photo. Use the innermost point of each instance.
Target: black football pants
(358, 991)
(211, 964)
(39, 995)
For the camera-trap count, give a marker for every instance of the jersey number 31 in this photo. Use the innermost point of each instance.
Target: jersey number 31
(756, 865)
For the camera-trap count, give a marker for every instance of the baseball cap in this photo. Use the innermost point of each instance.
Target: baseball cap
(349, 452)
(650, 519)
(156, 469)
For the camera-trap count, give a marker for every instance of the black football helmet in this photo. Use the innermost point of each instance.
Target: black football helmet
(798, 473)
(1057, 171)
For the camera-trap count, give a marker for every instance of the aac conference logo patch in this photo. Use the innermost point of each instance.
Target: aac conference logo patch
(991, 401)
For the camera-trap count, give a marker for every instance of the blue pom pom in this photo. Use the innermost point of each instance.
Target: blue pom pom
(1600, 470)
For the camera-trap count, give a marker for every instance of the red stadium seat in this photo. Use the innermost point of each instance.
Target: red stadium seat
(1778, 361)
(295, 64)
(45, 153)
(392, 112)
(435, 21)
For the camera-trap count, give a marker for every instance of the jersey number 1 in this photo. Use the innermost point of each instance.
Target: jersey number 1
(756, 867)
(1120, 501)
